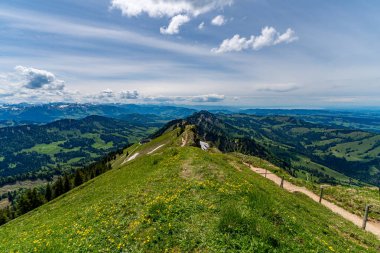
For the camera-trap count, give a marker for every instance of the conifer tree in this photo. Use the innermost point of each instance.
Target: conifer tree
(23, 203)
(3, 217)
(66, 183)
(36, 199)
(58, 187)
(78, 180)
(48, 192)
(10, 197)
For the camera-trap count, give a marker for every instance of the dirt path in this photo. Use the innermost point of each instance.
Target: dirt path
(372, 227)
(154, 150)
(184, 140)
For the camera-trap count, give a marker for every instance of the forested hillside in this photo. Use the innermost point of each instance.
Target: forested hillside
(325, 153)
(315, 147)
(41, 151)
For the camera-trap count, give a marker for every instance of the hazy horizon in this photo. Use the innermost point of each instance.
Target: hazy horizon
(204, 106)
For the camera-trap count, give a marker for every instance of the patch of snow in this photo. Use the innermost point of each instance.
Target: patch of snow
(204, 145)
(151, 152)
(133, 157)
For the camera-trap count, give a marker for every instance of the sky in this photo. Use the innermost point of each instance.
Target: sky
(255, 53)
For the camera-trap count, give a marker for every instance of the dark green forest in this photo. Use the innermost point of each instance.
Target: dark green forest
(25, 200)
(42, 151)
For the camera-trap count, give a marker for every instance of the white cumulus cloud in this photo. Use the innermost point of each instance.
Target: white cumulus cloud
(287, 37)
(111, 96)
(236, 43)
(175, 24)
(28, 84)
(105, 95)
(268, 37)
(39, 79)
(201, 26)
(169, 8)
(129, 95)
(218, 20)
(180, 11)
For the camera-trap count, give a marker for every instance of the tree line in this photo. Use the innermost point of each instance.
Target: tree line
(26, 200)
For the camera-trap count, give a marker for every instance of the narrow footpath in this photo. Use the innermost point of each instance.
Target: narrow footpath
(372, 227)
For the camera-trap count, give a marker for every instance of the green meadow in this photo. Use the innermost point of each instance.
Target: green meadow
(182, 199)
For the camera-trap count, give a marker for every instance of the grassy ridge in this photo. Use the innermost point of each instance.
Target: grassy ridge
(182, 200)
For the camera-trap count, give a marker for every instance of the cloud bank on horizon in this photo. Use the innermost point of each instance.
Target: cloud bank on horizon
(251, 53)
(37, 85)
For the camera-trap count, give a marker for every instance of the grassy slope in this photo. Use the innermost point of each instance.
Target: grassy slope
(181, 200)
(304, 161)
(351, 198)
(358, 150)
(355, 199)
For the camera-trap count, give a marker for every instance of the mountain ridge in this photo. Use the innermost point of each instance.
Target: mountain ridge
(299, 146)
(181, 199)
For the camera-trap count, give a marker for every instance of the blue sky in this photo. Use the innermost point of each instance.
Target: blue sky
(256, 53)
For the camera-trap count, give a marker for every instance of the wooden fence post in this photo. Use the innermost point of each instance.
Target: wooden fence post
(321, 195)
(266, 173)
(365, 218)
(282, 182)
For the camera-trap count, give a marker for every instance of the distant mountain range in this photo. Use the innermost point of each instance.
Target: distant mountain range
(23, 114)
(45, 113)
(368, 120)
